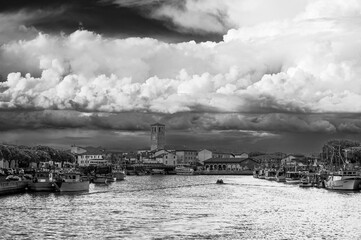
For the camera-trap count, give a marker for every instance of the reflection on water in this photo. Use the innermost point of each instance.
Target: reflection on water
(184, 207)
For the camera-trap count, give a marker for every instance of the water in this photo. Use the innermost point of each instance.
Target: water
(184, 207)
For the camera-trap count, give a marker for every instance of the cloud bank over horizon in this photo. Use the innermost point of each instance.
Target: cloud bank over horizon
(294, 69)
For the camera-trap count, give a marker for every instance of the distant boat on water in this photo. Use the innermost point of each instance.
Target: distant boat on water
(184, 170)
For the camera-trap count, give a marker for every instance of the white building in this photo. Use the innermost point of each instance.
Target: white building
(204, 155)
(168, 159)
(89, 156)
(187, 157)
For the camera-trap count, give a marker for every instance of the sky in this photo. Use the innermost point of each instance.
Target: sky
(231, 75)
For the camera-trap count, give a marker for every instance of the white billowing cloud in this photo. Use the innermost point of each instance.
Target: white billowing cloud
(306, 64)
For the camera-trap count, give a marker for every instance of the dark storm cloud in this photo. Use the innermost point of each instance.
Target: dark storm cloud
(103, 17)
(257, 125)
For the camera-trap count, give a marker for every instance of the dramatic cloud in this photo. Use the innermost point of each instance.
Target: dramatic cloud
(293, 69)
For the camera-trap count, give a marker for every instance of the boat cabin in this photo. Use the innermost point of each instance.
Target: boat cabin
(71, 177)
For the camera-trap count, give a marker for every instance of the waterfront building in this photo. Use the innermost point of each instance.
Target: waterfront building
(167, 158)
(207, 154)
(89, 156)
(229, 165)
(189, 157)
(157, 136)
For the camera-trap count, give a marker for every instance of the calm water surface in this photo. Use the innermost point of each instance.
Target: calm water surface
(184, 207)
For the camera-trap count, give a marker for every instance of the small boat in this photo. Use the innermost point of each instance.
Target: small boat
(71, 182)
(184, 170)
(293, 177)
(255, 173)
(219, 181)
(43, 181)
(111, 178)
(306, 182)
(270, 175)
(280, 176)
(157, 171)
(100, 178)
(343, 180)
(12, 185)
(261, 174)
(118, 174)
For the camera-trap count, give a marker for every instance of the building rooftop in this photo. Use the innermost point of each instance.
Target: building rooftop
(157, 124)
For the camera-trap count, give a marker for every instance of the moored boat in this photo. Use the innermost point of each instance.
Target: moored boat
(280, 176)
(343, 180)
(12, 186)
(118, 174)
(43, 181)
(184, 170)
(100, 178)
(270, 174)
(293, 177)
(71, 182)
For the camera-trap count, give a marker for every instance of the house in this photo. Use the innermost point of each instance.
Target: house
(207, 154)
(230, 165)
(89, 156)
(187, 156)
(167, 158)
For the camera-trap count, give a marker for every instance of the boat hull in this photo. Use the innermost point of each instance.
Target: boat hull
(119, 175)
(74, 186)
(344, 184)
(12, 187)
(293, 181)
(42, 186)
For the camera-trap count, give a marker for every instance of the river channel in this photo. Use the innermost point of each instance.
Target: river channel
(184, 207)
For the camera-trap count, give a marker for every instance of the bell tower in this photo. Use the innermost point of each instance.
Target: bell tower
(157, 136)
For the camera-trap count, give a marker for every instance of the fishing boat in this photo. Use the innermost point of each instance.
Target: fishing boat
(261, 174)
(118, 174)
(293, 177)
(343, 180)
(306, 182)
(157, 171)
(255, 173)
(184, 170)
(43, 181)
(12, 185)
(270, 174)
(100, 178)
(280, 176)
(71, 182)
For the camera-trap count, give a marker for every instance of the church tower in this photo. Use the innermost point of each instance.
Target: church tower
(157, 136)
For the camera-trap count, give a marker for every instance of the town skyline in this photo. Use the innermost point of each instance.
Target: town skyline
(247, 75)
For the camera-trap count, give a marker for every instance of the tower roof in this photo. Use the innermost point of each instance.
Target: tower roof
(157, 124)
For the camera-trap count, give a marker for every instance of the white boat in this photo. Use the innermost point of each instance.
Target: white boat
(255, 173)
(270, 175)
(72, 182)
(280, 176)
(343, 180)
(293, 177)
(43, 181)
(184, 170)
(261, 174)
